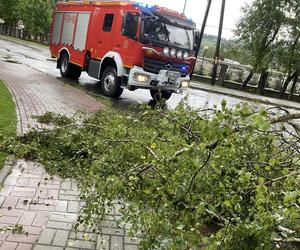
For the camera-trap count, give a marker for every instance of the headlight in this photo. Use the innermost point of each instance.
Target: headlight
(186, 55)
(173, 53)
(141, 77)
(166, 51)
(185, 84)
(179, 54)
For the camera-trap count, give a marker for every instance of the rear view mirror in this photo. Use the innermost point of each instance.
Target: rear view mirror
(197, 39)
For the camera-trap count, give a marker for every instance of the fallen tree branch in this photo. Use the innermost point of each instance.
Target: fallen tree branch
(282, 177)
(152, 152)
(212, 145)
(296, 127)
(290, 240)
(285, 118)
(197, 172)
(187, 130)
(285, 230)
(119, 141)
(219, 217)
(180, 152)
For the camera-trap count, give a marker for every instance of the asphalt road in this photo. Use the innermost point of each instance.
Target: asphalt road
(39, 59)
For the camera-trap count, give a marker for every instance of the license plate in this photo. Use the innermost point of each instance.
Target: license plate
(173, 74)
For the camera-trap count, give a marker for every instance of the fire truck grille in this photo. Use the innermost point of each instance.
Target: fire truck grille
(154, 66)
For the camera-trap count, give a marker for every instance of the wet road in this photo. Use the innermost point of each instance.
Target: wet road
(39, 59)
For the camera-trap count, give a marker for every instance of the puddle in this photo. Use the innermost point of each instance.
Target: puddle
(30, 57)
(7, 58)
(11, 61)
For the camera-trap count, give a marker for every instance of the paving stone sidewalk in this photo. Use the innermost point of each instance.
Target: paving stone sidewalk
(46, 206)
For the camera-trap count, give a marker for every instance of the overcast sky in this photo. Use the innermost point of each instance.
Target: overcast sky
(196, 8)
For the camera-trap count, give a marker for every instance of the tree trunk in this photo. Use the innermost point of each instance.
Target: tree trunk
(247, 80)
(286, 84)
(262, 82)
(223, 73)
(214, 73)
(294, 85)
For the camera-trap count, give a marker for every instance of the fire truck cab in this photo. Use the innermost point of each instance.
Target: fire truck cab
(124, 44)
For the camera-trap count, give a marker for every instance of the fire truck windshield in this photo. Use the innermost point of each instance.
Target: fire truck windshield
(157, 32)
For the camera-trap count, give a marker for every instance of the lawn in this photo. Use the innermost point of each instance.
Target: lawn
(8, 118)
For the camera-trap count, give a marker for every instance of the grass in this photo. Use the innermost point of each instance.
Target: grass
(8, 117)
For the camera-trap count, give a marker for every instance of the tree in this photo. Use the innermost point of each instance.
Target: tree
(232, 49)
(257, 31)
(186, 179)
(8, 11)
(35, 14)
(53, 2)
(288, 48)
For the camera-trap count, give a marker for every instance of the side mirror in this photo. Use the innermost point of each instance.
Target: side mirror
(197, 39)
(130, 25)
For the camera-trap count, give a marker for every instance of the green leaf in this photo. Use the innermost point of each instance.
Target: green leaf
(180, 227)
(223, 104)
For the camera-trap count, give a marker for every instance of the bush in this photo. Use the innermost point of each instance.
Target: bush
(221, 178)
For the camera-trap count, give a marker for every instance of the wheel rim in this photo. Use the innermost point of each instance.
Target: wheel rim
(64, 65)
(109, 82)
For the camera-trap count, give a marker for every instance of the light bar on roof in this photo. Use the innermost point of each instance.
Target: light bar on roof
(145, 5)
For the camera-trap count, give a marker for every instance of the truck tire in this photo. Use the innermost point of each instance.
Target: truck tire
(75, 72)
(159, 95)
(67, 69)
(110, 83)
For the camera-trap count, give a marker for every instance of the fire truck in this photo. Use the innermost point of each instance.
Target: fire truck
(124, 44)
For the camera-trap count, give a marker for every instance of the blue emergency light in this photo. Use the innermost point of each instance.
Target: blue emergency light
(183, 69)
(145, 5)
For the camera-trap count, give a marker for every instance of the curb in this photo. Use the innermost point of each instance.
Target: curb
(260, 99)
(5, 171)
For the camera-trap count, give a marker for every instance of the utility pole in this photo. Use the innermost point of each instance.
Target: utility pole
(202, 32)
(185, 1)
(217, 53)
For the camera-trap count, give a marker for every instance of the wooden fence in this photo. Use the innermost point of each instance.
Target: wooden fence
(42, 38)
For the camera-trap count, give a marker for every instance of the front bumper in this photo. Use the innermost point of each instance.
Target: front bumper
(157, 81)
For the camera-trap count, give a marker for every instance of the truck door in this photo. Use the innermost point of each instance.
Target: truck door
(107, 29)
(127, 43)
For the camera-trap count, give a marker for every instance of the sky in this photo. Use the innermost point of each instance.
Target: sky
(195, 9)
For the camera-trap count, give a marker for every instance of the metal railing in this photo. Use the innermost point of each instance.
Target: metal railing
(237, 73)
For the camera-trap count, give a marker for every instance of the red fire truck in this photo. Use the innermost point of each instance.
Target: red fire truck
(124, 44)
